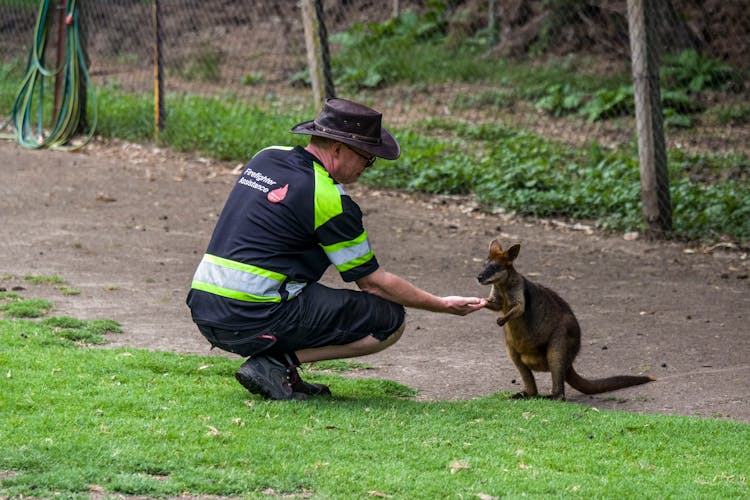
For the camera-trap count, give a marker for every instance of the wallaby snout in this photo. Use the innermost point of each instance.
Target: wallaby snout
(498, 264)
(485, 277)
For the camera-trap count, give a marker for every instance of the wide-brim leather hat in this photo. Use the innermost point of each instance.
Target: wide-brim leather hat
(353, 124)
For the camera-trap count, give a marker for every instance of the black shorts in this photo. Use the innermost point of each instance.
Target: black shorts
(319, 316)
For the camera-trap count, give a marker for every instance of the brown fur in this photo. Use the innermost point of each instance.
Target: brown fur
(541, 331)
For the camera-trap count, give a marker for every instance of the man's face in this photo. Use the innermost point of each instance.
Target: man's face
(350, 163)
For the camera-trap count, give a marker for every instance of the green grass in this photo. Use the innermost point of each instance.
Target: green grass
(11, 305)
(76, 420)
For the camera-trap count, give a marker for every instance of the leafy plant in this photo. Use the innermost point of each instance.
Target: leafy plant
(531, 175)
(694, 72)
(608, 103)
(560, 99)
(738, 114)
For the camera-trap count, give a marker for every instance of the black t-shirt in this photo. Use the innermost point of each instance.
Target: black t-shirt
(287, 219)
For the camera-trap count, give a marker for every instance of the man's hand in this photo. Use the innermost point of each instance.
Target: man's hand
(463, 305)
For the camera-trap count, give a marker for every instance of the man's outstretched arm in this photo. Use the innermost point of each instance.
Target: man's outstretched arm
(396, 289)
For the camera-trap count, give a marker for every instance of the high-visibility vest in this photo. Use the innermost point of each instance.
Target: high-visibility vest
(240, 281)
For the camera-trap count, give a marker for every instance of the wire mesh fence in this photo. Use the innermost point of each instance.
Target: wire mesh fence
(255, 51)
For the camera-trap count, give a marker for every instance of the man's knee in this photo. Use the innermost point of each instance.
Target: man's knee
(393, 337)
(399, 331)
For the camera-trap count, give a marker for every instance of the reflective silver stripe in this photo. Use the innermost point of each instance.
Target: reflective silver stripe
(234, 279)
(348, 254)
(294, 288)
(341, 189)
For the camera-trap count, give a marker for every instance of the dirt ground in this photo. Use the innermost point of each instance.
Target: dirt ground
(127, 224)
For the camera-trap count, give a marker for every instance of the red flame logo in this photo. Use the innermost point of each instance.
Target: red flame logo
(279, 194)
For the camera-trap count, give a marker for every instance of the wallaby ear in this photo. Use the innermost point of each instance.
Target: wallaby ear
(513, 251)
(495, 247)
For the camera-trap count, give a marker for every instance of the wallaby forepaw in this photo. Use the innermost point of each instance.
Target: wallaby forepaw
(501, 321)
(493, 304)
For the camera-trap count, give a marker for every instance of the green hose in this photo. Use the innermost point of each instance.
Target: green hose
(30, 98)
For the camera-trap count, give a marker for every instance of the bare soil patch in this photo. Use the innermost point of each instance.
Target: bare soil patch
(127, 224)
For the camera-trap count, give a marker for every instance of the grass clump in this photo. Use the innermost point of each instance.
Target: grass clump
(146, 423)
(20, 308)
(36, 279)
(76, 330)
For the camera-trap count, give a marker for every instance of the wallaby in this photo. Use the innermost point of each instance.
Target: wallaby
(541, 331)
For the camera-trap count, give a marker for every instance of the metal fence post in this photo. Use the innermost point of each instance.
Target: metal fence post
(657, 206)
(316, 41)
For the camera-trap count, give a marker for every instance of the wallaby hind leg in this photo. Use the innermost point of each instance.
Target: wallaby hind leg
(529, 384)
(558, 368)
(561, 350)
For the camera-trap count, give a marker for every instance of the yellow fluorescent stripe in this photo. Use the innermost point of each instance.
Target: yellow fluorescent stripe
(345, 244)
(354, 263)
(327, 197)
(232, 294)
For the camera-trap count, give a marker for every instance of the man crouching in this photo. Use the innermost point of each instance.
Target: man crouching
(288, 218)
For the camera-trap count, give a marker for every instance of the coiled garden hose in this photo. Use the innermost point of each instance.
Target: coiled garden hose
(30, 100)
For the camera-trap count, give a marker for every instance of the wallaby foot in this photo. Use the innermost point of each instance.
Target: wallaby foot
(555, 397)
(520, 395)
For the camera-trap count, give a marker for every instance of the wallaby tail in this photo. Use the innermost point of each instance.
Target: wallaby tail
(596, 386)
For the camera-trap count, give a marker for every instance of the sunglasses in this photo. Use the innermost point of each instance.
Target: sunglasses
(370, 159)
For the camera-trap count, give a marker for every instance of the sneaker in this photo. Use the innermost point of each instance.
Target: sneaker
(302, 387)
(268, 377)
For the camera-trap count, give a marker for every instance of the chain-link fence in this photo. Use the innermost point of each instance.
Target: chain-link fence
(255, 50)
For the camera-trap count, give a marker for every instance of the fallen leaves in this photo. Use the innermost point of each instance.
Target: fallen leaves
(458, 466)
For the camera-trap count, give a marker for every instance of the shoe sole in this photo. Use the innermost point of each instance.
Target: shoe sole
(314, 390)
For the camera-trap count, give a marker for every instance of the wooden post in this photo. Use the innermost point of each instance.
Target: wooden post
(159, 108)
(318, 59)
(657, 205)
(396, 9)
